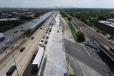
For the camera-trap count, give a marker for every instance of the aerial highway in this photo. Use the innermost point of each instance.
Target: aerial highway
(15, 33)
(21, 59)
(50, 61)
(24, 49)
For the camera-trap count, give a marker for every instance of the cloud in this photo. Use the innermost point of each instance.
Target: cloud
(58, 3)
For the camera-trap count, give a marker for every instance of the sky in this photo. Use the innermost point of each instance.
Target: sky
(57, 3)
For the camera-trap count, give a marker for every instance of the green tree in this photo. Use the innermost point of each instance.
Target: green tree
(69, 18)
(80, 36)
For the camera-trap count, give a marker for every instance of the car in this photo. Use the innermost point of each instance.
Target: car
(42, 40)
(43, 36)
(32, 38)
(47, 36)
(22, 31)
(46, 42)
(41, 44)
(47, 31)
(22, 49)
(11, 70)
(15, 31)
(2, 37)
(21, 27)
(40, 27)
(50, 29)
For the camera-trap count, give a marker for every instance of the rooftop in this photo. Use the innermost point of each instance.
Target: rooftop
(111, 24)
(110, 20)
(6, 19)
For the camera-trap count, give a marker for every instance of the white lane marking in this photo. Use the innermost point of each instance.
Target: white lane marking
(85, 69)
(88, 53)
(98, 61)
(88, 71)
(94, 58)
(86, 50)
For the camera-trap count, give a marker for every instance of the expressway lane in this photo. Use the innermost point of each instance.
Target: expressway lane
(31, 47)
(83, 60)
(23, 58)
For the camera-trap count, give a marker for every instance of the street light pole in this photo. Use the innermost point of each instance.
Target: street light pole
(15, 65)
(68, 57)
(13, 37)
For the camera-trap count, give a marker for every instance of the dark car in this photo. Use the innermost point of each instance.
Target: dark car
(32, 38)
(21, 27)
(22, 30)
(2, 39)
(16, 32)
(22, 49)
(11, 70)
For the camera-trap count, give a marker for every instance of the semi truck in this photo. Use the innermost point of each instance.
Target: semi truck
(37, 60)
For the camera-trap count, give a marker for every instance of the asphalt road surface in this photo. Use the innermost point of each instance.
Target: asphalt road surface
(86, 56)
(95, 36)
(84, 61)
(91, 33)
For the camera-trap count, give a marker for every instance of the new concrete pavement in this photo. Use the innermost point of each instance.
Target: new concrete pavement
(56, 60)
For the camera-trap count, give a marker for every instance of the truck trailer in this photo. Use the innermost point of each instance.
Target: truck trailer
(37, 60)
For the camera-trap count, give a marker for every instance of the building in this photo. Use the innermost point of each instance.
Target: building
(9, 19)
(110, 20)
(107, 26)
